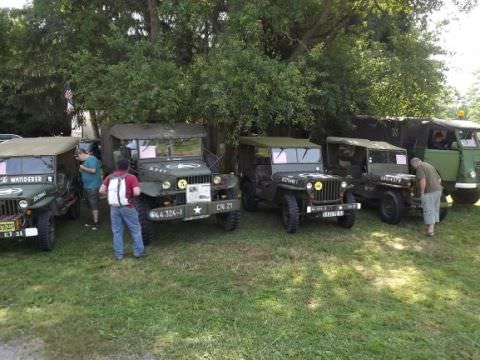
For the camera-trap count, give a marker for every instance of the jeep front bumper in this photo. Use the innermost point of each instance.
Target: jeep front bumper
(22, 233)
(194, 211)
(337, 208)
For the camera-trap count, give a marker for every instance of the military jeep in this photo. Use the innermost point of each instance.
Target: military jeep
(289, 172)
(39, 180)
(178, 177)
(379, 173)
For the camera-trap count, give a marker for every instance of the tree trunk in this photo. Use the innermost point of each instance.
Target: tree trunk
(305, 43)
(154, 21)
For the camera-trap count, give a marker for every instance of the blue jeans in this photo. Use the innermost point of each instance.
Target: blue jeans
(121, 216)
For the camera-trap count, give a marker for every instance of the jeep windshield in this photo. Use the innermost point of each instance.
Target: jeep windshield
(296, 155)
(469, 138)
(170, 149)
(387, 157)
(26, 165)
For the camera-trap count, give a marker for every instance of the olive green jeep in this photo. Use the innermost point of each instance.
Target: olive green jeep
(179, 178)
(379, 173)
(39, 180)
(289, 172)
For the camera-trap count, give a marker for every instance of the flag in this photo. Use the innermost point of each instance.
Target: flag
(69, 97)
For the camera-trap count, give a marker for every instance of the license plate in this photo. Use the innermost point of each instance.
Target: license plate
(7, 226)
(332, 213)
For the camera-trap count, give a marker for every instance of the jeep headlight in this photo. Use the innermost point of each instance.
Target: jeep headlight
(166, 185)
(473, 174)
(309, 185)
(217, 179)
(344, 184)
(182, 184)
(23, 204)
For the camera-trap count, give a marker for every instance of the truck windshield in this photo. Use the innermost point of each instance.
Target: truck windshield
(26, 165)
(469, 138)
(295, 155)
(387, 157)
(174, 148)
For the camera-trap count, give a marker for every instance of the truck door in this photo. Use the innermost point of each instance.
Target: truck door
(445, 159)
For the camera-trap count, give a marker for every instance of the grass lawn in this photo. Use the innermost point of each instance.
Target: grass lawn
(376, 291)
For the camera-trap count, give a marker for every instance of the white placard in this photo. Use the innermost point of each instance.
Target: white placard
(401, 159)
(198, 193)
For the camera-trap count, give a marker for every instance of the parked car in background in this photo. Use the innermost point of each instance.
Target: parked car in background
(451, 146)
(39, 181)
(380, 176)
(289, 172)
(179, 179)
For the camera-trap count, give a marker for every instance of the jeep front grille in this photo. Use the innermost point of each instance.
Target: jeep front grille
(199, 179)
(8, 207)
(477, 168)
(330, 191)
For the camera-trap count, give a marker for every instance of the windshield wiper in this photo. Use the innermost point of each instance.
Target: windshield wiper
(280, 153)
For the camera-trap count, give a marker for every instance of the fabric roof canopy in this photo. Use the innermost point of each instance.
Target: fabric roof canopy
(37, 146)
(156, 131)
(267, 141)
(457, 124)
(374, 145)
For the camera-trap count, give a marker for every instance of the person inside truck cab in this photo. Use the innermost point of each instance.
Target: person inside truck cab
(439, 142)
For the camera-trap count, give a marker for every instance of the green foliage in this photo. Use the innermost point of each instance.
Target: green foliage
(241, 65)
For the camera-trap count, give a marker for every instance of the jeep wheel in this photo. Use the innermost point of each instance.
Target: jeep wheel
(348, 219)
(443, 211)
(290, 213)
(391, 207)
(465, 197)
(46, 230)
(143, 207)
(229, 221)
(73, 211)
(249, 202)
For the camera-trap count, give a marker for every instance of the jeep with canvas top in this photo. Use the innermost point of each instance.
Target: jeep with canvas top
(457, 160)
(39, 180)
(178, 176)
(289, 172)
(379, 173)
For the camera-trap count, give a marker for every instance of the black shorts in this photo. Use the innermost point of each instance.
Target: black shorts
(91, 195)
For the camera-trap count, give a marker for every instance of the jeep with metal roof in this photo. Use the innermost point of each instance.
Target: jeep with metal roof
(380, 176)
(451, 146)
(178, 177)
(39, 180)
(289, 172)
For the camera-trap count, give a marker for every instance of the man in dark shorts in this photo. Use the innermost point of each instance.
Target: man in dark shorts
(90, 171)
(430, 188)
(122, 187)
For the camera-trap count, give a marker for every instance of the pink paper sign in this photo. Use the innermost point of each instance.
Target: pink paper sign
(3, 168)
(401, 159)
(148, 152)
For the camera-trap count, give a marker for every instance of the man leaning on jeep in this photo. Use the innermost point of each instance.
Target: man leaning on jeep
(430, 188)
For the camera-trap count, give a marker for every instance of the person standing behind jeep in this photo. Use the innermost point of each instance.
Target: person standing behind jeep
(430, 188)
(122, 187)
(90, 171)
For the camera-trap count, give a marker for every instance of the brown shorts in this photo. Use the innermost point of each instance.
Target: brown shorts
(91, 195)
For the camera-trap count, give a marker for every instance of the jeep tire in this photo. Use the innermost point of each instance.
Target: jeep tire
(463, 197)
(229, 221)
(391, 207)
(143, 208)
(249, 201)
(348, 219)
(46, 230)
(290, 213)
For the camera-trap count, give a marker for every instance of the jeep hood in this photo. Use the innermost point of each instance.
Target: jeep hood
(28, 192)
(159, 171)
(300, 178)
